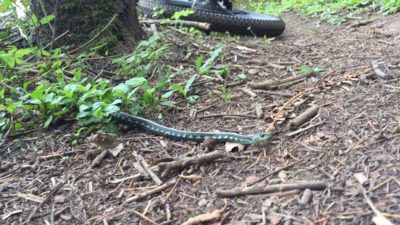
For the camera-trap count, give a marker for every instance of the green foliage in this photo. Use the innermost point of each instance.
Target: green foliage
(306, 69)
(182, 13)
(205, 68)
(331, 11)
(58, 92)
(40, 86)
(142, 60)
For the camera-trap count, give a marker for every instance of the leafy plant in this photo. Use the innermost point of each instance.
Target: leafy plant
(204, 68)
(141, 61)
(182, 90)
(183, 13)
(307, 69)
(334, 12)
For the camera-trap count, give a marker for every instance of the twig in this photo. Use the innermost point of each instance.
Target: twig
(249, 92)
(279, 93)
(361, 23)
(143, 217)
(185, 162)
(275, 83)
(303, 117)
(203, 218)
(273, 173)
(96, 36)
(200, 25)
(271, 189)
(158, 189)
(227, 115)
(147, 169)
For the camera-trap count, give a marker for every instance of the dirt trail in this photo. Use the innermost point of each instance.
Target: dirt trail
(357, 130)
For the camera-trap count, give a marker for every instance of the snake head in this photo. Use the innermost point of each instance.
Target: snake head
(261, 137)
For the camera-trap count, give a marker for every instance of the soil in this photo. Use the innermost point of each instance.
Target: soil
(352, 144)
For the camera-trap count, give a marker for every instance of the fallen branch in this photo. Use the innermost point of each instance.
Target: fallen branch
(158, 189)
(271, 189)
(272, 84)
(166, 167)
(200, 25)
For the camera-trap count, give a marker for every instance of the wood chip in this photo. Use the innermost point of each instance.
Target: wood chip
(203, 218)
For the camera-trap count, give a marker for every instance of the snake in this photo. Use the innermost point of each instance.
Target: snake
(219, 137)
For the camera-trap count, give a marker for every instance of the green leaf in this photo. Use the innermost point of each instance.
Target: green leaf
(23, 52)
(111, 109)
(33, 21)
(137, 81)
(48, 121)
(18, 126)
(167, 103)
(47, 19)
(193, 99)
(168, 94)
(179, 88)
(189, 83)
(177, 15)
(124, 88)
(199, 62)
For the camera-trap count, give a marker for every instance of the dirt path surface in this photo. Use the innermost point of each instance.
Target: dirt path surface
(348, 153)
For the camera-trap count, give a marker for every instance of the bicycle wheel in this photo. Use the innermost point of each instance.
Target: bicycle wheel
(233, 21)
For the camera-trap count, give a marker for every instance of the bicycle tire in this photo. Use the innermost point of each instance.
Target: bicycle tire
(236, 22)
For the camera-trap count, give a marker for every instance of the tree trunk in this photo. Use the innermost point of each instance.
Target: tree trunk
(110, 25)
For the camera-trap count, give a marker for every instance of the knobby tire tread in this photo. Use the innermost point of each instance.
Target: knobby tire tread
(236, 24)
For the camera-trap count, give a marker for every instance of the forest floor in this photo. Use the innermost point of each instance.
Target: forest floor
(351, 144)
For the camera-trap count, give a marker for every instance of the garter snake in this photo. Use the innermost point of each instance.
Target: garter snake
(172, 133)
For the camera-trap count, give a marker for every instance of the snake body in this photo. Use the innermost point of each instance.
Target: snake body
(172, 133)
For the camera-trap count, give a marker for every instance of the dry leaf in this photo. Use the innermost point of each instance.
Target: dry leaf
(233, 147)
(115, 151)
